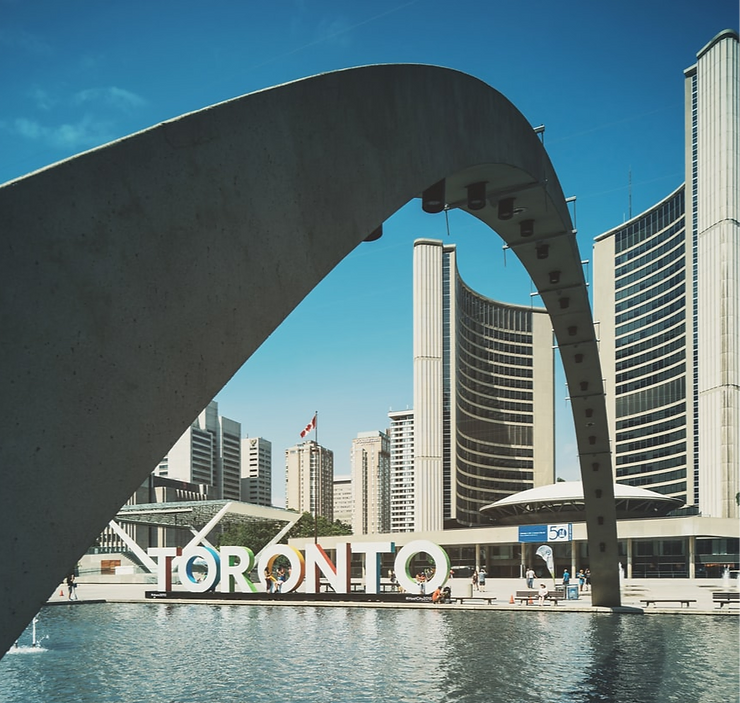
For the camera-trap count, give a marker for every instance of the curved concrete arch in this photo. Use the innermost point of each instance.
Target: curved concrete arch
(138, 278)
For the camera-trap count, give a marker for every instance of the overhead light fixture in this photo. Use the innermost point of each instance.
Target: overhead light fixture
(554, 277)
(573, 330)
(476, 195)
(564, 303)
(543, 251)
(526, 228)
(433, 198)
(506, 208)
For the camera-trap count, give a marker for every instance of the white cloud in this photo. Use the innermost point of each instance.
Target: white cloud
(117, 98)
(83, 134)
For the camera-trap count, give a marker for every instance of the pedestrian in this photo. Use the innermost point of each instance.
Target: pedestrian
(530, 577)
(581, 579)
(71, 587)
(566, 577)
(282, 577)
(475, 580)
(482, 578)
(421, 579)
(587, 573)
(269, 581)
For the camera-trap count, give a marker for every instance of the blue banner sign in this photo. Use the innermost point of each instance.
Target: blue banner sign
(546, 533)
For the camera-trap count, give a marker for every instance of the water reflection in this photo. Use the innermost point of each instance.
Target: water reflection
(189, 653)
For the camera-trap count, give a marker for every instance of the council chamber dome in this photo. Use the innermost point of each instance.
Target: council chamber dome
(563, 502)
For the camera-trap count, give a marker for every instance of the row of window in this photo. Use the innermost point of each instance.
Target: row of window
(648, 430)
(656, 353)
(652, 454)
(657, 302)
(653, 267)
(655, 441)
(661, 363)
(652, 317)
(669, 463)
(676, 332)
(652, 380)
(513, 440)
(654, 221)
(647, 332)
(660, 246)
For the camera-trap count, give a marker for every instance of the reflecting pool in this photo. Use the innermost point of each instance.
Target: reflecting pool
(228, 653)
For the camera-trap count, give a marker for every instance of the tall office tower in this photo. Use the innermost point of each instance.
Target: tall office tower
(256, 475)
(208, 452)
(484, 418)
(667, 304)
(309, 479)
(371, 483)
(343, 500)
(401, 435)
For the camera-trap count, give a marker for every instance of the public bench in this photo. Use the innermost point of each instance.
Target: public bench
(723, 597)
(526, 596)
(655, 601)
(462, 599)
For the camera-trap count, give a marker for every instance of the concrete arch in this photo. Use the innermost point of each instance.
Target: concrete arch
(138, 277)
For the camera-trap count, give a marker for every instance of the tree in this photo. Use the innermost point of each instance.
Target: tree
(324, 528)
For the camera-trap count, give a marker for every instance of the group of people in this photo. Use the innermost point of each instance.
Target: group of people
(479, 579)
(275, 582)
(583, 576)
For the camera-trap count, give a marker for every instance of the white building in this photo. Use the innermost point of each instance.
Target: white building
(401, 434)
(208, 452)
(256, 473)
(371, 487)
(309, 479)
(343, 499)
(483, 371)
(667, 304)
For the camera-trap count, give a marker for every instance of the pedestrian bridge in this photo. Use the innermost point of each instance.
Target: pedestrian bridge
(138, 277)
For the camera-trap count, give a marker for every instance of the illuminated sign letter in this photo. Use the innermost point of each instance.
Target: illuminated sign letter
(232, 575)
(372, 566)
(164, 556)
(297, 565)
(209, 558)
(408, 552)
(318, 562)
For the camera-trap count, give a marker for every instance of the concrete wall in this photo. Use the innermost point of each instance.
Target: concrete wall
(109, 346)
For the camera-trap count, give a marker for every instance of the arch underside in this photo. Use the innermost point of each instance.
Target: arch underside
(140, 276)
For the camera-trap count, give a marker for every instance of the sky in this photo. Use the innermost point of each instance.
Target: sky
(605, 79)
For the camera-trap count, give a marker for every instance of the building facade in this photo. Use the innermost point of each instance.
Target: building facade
(483, 371)
(309, 479)
(667, 304)
(208, 452)
(256, 471)
(371, 483)
(343, 503)
(401, 434)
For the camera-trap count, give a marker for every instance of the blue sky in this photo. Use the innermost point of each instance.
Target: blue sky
(606, 80)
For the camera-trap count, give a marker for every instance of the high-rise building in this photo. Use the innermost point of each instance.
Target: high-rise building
(256, 473)
(667, 305)
(484, 418)
(309, 479)
(401, 434)
(208, 452)
(343, 500)
(371, 483)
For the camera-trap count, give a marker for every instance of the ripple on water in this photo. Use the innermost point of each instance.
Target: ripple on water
(230, 653)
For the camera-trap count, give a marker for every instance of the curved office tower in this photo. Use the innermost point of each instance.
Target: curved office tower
(483, 395)
(667, 302)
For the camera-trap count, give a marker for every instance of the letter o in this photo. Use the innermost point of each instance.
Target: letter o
(408, 552)
(213, 569)
(297, 565)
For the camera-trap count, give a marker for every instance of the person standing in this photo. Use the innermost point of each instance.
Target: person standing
(71, 587)
(475, 580)
(530, 577)
(482, 578)
(566, 578)
(581, 579)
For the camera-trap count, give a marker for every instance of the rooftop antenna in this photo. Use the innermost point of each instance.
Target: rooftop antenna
(630, 193)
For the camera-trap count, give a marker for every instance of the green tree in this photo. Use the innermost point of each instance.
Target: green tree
(254, 535)
(324, 527)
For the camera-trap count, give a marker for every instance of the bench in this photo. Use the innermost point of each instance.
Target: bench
(526, 596)
(655, 601)
(723, 597)
(488, 599)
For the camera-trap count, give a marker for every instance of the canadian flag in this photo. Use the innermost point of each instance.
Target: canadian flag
(310, 426)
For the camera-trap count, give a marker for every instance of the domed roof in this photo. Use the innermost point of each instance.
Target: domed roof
(563, 501)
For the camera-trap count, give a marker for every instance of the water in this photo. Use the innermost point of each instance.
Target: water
(231, 653)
